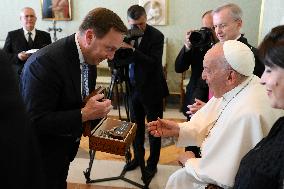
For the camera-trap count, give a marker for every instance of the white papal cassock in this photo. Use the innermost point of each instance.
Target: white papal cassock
(239, 120)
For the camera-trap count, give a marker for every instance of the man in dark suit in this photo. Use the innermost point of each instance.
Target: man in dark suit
(54, 81)
(20, 159)
(148, 88)
(21, 40)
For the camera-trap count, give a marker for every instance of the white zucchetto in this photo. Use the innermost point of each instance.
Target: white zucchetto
(239, 56)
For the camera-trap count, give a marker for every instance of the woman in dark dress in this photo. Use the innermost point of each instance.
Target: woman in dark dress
(263, 166)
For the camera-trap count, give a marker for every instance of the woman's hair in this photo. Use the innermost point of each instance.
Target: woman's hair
(271, 49)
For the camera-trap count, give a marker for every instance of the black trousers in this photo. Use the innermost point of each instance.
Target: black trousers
(138, 112)
(57, 153)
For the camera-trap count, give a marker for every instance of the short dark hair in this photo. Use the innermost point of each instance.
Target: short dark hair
(101, 21)
(271, 49)
(135, 12)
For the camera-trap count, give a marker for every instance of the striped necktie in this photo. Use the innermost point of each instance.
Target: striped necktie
(85, 85)
(30, 40)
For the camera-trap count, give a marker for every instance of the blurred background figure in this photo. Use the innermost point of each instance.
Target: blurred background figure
(20, 157)
(21, 40)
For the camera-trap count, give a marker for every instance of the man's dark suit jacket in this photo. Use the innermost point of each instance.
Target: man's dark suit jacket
(149, 76)
(16, 43)
(51, 89)
(194, 59)
(20, 158)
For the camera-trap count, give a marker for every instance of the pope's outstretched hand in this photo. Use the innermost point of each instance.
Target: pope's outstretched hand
(163, 128)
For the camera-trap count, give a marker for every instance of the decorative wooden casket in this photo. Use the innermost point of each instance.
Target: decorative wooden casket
(112, 136)
(108, 135)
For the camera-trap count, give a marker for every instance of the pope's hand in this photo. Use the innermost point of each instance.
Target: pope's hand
(163, 128)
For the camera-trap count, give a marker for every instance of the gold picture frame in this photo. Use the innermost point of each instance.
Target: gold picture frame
(56, 9)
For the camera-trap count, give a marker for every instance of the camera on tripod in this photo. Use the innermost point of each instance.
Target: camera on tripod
(124, 56)
(202, 38)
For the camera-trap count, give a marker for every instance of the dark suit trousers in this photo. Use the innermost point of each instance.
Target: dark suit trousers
(57, 153)
(138, 113)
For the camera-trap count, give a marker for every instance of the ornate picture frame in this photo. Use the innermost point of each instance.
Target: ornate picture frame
(56, 9)
(156, 11)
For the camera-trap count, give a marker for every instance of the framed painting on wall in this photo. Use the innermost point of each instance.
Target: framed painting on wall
(56, 9)
(156, 11)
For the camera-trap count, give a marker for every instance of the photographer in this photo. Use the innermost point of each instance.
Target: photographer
(148, 88)
(191, 55)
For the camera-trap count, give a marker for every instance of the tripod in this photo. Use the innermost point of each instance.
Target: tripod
(116, 79)
(118, 76)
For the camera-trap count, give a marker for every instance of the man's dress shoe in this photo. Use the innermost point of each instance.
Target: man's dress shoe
(148, 175)
(131, 165)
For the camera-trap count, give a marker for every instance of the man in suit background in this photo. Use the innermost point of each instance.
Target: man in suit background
(18, 42)
(54, 82)
(148, 88)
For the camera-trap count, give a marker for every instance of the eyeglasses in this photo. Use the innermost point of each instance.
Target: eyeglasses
(28, 16)
(224, 25)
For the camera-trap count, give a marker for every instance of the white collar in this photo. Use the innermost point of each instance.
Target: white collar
(232, 93)
(239, 37)
(26, 32)
(81, 57)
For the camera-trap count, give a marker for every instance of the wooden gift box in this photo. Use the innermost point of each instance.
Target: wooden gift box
(116, 144)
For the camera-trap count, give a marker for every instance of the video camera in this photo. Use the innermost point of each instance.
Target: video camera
(122, 56)
(202, 38)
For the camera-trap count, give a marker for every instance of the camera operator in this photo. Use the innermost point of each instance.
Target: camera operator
(192, 56)
(148, 88)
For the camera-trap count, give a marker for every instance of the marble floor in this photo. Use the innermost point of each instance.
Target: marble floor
(109, 165)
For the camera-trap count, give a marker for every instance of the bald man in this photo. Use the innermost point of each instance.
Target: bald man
(17, 41)
(228, 126)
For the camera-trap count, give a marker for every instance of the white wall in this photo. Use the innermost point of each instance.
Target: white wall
(272, 15)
